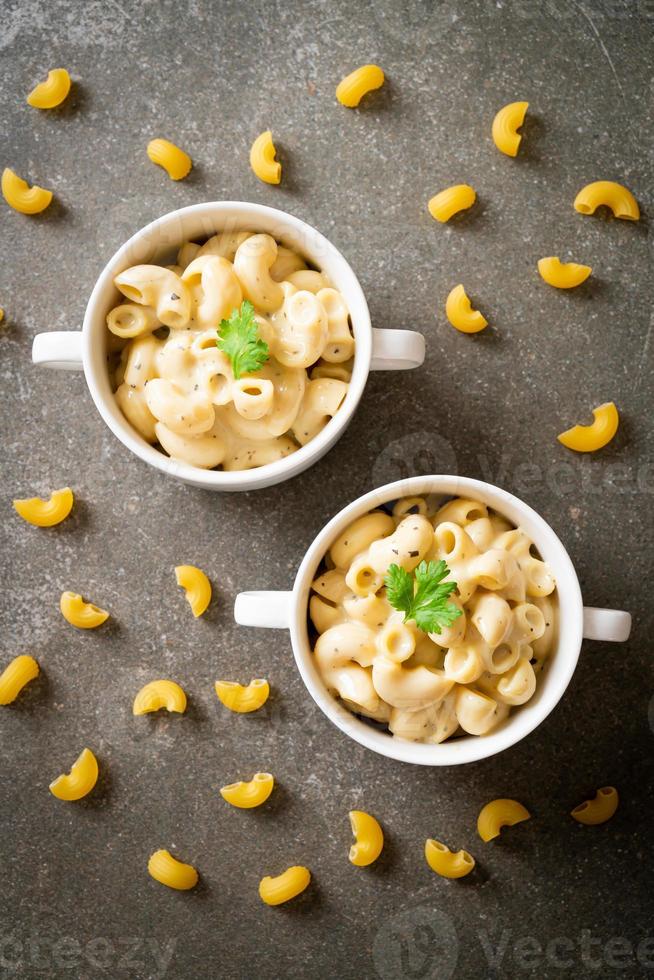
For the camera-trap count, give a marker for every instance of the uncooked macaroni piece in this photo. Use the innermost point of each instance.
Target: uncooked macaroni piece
(449, 202)
(46, 513)
(506, 124)
(276, 891)
(174, 161)
(180, 391)
(351, 89)
(197, 587)
(497, 814)
(79, 781)
(445, 863)
(615, 196)
(598, 810)
(15, 676)
(243, 699)
(589, 438)
(163, 867)
(421, 686)
(21, 197)
(369, 839)
(248, 795)
(262, 159)
(563, 275)
(52, 92)
(160, 694)
(460, 313)
(82, 614)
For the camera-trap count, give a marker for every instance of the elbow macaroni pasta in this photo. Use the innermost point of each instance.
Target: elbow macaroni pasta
(506, 124)
(351, 89)
(619, 199)
(445, 863)
(52, 92)
(166, 869)
(174, 161)
(497, 814)
(246, 796)
(369, 839)
(563, 275)
(290, 884)
(450, 201)
(590, 438)
(428, 687)
(15, 676)
(460, 313)
(83, 615)
(177, 389)
(21, 197)
(243, 699)
(46, 513)
(262, 159)
(79, 781)
(160, 694)
(197, 587)
(598, 810)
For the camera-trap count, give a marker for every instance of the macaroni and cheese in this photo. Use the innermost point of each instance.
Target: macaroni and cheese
(483, 658)
(273, 380)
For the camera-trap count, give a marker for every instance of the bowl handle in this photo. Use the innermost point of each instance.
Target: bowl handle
(61, 349)
(606, 624)
(271, 610)
(396, 350)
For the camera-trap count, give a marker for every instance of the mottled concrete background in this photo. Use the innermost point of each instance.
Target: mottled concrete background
(551, 898)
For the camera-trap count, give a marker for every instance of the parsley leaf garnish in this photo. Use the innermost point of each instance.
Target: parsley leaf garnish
(239, 338)
(423, 599)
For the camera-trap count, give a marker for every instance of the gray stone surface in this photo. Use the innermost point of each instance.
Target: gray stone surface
(551, 898)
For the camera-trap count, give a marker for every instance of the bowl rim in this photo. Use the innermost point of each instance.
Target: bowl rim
(521, 722)
(246, 214)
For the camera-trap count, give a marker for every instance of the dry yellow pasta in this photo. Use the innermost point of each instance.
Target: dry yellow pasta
(351, 89)
(21, 197)
(449, 202)
(598, 810)
(619, 199)
(174, 161)
(369, 838)
(506, 124)
(46, 513)
(163, 867)
(589, 438)
(460, 313)
(52, 92)
(197, 587)
(15, 676)
(563, 275)
(275, 891)
(79, 781)
(245, 796)
(243, 699)
(497, 814)
(262, 159)
(160, 694)
(82, 614)
(446, 864)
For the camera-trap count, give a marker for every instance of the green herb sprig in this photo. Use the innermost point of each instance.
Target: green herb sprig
(425, 597)
(239, 338)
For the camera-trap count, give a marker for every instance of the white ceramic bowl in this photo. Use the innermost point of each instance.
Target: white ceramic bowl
(158, 242)
(289, 610)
